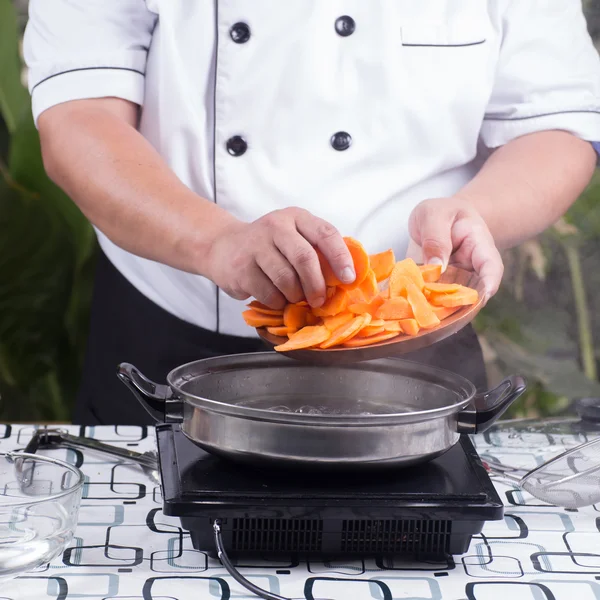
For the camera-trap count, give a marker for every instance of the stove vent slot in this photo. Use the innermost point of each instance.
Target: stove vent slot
(391, 536)
(272, 535)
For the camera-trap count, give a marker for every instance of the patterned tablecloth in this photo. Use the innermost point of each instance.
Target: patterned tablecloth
(125, 548)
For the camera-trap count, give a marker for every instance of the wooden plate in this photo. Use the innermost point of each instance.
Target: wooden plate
(402, 344)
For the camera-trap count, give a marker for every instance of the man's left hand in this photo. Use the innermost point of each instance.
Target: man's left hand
(451, 231)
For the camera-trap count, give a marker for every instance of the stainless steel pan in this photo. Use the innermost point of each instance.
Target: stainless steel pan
(265, 408)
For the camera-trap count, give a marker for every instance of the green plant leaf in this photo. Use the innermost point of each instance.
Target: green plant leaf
(585, 213)
(562, 376)
(14, 99)
(36, 265)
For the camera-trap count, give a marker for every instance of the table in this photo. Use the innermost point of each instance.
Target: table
(125, 548)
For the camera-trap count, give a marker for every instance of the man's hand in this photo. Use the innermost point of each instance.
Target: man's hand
(451, 231)
(274, 260)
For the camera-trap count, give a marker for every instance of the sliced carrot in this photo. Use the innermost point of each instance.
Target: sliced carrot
(443, 312)
(255, 319)
(334, 305)
(463, 297)
(382, 264)
(367, 307)
(405, 268)
(409, 326)
(366, 322)
(377, 322)
(302, 303)
(355, 296)
(307, 337)
(369, 287)
(421, 308)
(444, 288)
(370, 330)
(281, 331)
(356, 342)
(360, 258)
(264, 310)
(392, 326)
(431, 273)
(332, 323)
(313, 319)
(344, 332)
(385, 294)
(330, 291)
(294, 316)
(394, 309)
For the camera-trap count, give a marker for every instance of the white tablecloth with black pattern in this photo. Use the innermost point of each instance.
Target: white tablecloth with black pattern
(126, 549)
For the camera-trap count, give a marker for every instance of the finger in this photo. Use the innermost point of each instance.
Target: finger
(303, 258)
(487, 263)
(477, 251)
(281, 273)
(262, 288)
(414, 251)
(430, 226)
(329, 241)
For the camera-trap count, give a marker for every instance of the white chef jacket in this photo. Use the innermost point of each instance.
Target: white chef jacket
(355, 110)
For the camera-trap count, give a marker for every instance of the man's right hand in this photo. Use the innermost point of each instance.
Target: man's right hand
(274, 260)
(91, 149)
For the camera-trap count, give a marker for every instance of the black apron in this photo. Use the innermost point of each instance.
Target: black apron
(128, 327)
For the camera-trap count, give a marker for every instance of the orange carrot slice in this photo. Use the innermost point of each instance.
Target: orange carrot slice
(431, 273)
(392, 326)
(369, 287)
(334, 305)
(281, 331)
(409, 326)
(264, 310)
(442, 288)
(394, 309)
(313, 319)
(370, 330)
(421, 308)
(360, 258)
(462, 297)
(355, 296)
(382, 264)
(367, 307)
(405, 268)
(356, 342)
(307, 337)
(294, 316)
(332, 323)
(377, 322)
(344, 332)
(255, 319)
(302, 303)
(443, 312)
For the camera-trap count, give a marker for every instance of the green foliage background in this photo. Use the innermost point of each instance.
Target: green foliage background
(544, 323)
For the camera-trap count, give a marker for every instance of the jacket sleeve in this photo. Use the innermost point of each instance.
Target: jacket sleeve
(76, 49)
(548, 73)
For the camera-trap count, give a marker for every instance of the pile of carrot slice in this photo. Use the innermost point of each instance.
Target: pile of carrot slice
(388, 299)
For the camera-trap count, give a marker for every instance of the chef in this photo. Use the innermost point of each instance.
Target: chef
(214, 144)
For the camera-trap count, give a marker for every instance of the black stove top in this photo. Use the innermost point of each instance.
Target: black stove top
(432, 508)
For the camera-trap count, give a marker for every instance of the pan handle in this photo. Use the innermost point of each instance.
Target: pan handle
(158, 400)
(488, 407)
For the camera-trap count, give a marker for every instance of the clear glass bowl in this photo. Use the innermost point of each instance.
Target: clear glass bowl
(39, 504)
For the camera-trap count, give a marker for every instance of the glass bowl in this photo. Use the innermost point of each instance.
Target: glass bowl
(39, 504)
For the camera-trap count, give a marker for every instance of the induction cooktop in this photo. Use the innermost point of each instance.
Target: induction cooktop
(429, 510)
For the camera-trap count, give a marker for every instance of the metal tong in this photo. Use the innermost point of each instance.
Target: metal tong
(46, 437)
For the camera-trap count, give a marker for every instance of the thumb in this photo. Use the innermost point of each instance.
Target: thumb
(431, 228)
